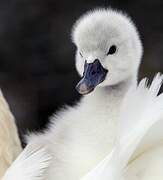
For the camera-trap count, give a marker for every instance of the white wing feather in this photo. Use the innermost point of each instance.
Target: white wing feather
(30, 165)
(142, 109)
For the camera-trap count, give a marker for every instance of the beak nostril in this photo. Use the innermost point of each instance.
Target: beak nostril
(93, 72)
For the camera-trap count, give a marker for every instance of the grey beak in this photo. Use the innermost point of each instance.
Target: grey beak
(94, 74)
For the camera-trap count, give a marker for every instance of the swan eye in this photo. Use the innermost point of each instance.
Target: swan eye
(112, 50)
(80, 54)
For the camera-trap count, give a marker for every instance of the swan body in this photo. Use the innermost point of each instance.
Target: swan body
(116, 128)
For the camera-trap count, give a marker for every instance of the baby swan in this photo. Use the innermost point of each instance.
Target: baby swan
(108, 55)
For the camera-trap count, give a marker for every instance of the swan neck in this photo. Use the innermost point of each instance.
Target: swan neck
(114, 93)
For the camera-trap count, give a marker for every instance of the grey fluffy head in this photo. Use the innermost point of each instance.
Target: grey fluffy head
(96, 32)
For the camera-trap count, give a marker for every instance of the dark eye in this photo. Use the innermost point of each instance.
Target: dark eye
(112, 50)
(80, 54)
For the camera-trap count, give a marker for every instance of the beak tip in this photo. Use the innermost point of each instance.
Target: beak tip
(83, 89)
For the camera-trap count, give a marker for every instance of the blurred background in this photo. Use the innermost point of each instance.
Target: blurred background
(37, 73)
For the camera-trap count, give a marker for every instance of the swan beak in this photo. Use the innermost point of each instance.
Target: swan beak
(94, 74)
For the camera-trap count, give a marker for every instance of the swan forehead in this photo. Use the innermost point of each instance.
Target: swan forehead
(98, 29)
(97, 37)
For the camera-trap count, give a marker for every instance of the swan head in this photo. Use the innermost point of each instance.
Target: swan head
(108, 51)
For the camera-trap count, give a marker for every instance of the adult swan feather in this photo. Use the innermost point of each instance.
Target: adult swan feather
(142, 109)
(31, 164)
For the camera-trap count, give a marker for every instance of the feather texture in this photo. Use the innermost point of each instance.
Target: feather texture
(141, 109)
(30, 165)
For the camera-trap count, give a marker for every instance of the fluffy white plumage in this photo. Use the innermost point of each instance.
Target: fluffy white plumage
(141, 109)
(117, 118)
(84, 135)
(30, 165)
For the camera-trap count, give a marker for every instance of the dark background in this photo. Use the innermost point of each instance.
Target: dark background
(37, 73)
